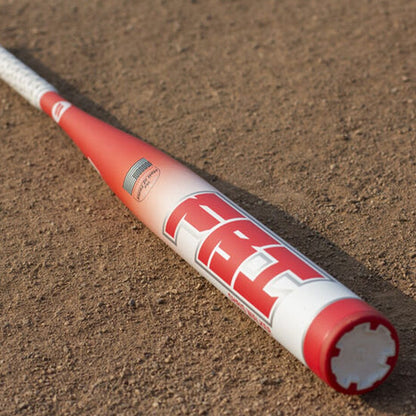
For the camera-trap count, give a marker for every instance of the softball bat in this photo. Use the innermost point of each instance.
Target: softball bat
(346, 342)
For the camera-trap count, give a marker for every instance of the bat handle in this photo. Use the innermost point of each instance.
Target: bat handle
(22, 79)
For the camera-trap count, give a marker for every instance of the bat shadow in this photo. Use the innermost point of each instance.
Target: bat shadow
(396, 395)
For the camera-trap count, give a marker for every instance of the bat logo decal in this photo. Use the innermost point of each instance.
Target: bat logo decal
(140, 179)
(59, 109)
(257, 269)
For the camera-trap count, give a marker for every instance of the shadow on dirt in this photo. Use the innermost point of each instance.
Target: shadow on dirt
(397, 394)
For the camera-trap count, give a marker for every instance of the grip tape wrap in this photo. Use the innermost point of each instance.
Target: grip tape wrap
(22, 79)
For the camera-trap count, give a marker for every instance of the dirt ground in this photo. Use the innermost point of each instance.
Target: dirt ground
(302, 112)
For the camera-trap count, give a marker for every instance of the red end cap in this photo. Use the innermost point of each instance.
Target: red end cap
(351, 346)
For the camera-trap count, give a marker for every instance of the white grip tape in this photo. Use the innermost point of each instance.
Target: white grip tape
(23, 79)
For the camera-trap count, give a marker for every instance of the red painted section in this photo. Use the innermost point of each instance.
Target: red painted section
(111, 150)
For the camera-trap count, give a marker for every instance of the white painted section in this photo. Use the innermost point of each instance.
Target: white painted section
(241, 235)
(222, 253)
(212, 213)
(296, 311)
(282, 285)
(255, 264)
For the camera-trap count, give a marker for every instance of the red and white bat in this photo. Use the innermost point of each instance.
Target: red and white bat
(346, 342)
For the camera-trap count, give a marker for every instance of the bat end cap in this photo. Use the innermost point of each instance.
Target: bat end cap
(351, 346)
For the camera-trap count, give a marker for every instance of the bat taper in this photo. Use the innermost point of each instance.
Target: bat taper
(346, 342)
